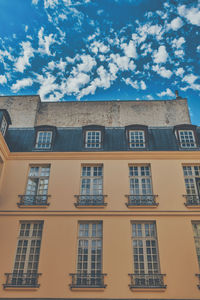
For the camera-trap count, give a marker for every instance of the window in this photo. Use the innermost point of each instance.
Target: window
(37, 186)
(192, 184)
(140, 186)
(93, 139)
(196, 230)
(89, 258)
(145, 256)
(186, 136)
(3, 126)
(25, 271)
(93, 136)
(91, 186)
(136, 139)
(187, 139)
(44, 140)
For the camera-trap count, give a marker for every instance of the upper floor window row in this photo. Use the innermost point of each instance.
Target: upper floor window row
(137, 137)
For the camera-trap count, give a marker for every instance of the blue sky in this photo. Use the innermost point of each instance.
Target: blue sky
(101, 50)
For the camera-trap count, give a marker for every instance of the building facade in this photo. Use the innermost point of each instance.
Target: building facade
(99, 200)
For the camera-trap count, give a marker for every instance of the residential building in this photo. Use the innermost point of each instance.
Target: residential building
(99, 200)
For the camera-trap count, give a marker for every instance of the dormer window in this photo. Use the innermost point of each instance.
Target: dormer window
(187, 139)
(4, 126)
(186, 136)
(93, 137)
(136, 139)
(44, 140)
(137, 136)
(5, 121)
(45, 136)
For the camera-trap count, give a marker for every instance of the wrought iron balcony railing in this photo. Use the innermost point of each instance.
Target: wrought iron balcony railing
(192, 200)
(141, 200)
(33, 200)
(147, 281)
(22, 280)
(90, 200)
(198, 275)
(88, 280)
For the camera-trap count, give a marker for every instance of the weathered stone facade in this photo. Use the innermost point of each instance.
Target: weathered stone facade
(29, 111)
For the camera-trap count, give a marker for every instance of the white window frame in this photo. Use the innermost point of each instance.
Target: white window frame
(191, 173)
(196, 230)
(185, 140)
(28, 261)
(93, 139)
(90, 235)
(145, 248)
(91, 181)
(4, 126)
(41, 179)
(140, 180)
(136, 139)
(44, 139)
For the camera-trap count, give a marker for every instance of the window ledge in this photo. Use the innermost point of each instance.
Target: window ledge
(20, 288)
(90, 206)
(88, 289)
(142, 206)
(32, 206)
(153, 289)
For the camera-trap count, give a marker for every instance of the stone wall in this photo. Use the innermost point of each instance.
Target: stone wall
(28, 111)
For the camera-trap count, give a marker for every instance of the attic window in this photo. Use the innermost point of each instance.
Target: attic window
(93, 136)
(4, 126)
(186, 136)
(44, 140)
(137, 136)
(44, 137)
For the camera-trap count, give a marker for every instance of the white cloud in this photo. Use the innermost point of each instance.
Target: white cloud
(162, 71)
(129, 49)
(23, 61)
(198, 48)
(167, 92)
(3, 79)
(179, 53)
(50, 3)
(135, 84)
(161, 55)
(35, 1)
(20, 84)
(191, 14)
(179, 72)
(190, 80)
(45, 41)
(175, 24)
(97, 46)
(74, 84)
(177, 43)
(123, 62)
(47, 85)
(88, 62)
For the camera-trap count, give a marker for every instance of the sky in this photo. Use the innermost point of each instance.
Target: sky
(87, 50)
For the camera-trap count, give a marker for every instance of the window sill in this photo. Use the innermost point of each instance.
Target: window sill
(192, 206)
(32, 206)
(90, 206)
(142, 206)
(20, 288)
(153, 289)
(88, 289)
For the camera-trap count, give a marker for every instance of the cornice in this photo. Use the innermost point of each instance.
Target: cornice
(119, 155)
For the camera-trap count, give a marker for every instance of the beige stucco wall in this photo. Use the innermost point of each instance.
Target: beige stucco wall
(28, 111)
(58, 255)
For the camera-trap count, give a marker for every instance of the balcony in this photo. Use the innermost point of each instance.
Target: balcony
(88, 280)
(33, 200)
(24, 280)
(192, 200)
(147, 281)
(198, 275)
(141, 200)
(90, 200)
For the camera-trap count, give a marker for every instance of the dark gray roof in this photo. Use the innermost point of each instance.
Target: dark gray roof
(71, 139)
